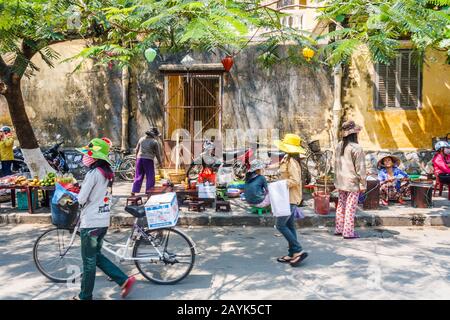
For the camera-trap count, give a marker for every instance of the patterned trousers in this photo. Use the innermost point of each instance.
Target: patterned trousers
(388, 191)
(345, 213)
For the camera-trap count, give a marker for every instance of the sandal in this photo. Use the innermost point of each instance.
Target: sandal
(355, 236)
(126, 288)
(337, 233)
(284, 260)
(299, 259)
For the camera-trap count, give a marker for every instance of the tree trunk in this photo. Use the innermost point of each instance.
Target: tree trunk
(337, 106)
(125, 108)
(32, 154)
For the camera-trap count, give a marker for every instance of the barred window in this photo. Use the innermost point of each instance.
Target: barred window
(398, 85)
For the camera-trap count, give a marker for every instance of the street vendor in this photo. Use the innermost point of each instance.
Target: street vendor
(290, 171)
(95, 199)
(256, 190)
(6, 150)
(146, 150)
(394, 182)
(441, 162)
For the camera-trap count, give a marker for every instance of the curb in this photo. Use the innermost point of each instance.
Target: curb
(311, 220)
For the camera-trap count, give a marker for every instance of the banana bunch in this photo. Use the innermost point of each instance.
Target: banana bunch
(34, 182)
(21, 181)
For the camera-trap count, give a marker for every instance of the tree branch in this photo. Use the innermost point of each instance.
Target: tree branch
(4, 69)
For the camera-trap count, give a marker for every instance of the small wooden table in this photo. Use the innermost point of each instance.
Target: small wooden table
(28, 190)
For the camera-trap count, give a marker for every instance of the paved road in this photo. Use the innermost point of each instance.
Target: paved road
(239, 263)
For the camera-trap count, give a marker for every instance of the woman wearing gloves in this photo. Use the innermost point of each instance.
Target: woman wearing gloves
(94, 200)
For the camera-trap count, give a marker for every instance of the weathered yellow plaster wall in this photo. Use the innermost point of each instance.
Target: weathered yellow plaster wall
(399, 129)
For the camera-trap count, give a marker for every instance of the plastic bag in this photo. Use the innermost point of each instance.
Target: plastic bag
(299, 213)
(64, 206)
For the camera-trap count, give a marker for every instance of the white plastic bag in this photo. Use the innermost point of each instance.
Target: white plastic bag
(279, 198)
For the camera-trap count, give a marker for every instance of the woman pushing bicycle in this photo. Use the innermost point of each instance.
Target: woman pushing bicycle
(94, 200)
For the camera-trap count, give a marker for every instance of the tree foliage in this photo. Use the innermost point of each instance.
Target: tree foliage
(382, 24)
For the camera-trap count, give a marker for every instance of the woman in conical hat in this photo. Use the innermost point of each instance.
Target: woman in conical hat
(290, 170)
(394, 182)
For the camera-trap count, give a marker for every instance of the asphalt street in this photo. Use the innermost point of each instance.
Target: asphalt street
(240, 263)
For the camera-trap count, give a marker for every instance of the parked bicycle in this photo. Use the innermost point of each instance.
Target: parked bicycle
(318, 163)
(123, 164)
(57, 252)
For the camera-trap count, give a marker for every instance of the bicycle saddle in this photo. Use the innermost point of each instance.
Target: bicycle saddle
(136, 211)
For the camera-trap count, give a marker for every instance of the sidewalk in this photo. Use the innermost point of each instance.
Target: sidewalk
(394, 215)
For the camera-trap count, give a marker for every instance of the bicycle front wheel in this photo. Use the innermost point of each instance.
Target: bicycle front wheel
(164, 256)
(56, 258)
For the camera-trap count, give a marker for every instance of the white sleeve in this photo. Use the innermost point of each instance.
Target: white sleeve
(87, 186)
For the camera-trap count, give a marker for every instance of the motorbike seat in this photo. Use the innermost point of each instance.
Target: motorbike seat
(233, 153)
(136, 211)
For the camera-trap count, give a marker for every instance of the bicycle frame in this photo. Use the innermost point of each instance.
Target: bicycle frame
(126, 254)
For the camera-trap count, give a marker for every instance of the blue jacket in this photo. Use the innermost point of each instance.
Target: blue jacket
(398, 175)
(255, 188)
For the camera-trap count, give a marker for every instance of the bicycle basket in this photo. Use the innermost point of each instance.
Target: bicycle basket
(314, 146)
(64, 213)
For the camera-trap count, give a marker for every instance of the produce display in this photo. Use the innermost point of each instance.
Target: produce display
(48, 181)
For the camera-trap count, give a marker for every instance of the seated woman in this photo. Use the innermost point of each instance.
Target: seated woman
(256, 190)
(394, 182)
(441, 162)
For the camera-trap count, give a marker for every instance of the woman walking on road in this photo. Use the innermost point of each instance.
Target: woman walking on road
(350, 179)
(290, 171)
(146, 150)
(95, 199)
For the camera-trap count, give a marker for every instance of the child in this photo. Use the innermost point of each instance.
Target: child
(256, 191)
(94, 200)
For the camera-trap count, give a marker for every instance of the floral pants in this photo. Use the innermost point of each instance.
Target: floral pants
(345, 213)
(389, 192)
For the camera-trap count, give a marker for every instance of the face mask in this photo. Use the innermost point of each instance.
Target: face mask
(447, 150)
(88, 161)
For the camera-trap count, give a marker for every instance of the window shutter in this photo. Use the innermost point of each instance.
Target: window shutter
(398, 84)
(386, 85)
(409, 79)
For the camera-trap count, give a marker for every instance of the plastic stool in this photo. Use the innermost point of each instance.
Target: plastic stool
(260, 211)
(223, 206)
(196, 206)
(135, 201)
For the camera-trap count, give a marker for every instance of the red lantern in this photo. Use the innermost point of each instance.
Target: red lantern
(227, 63)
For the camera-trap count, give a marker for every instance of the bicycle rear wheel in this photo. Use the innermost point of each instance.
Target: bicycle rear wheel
(178, 255)
(127, 168)
(55, 258)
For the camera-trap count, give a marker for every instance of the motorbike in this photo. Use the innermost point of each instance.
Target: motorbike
(54, 156)
(238, 159)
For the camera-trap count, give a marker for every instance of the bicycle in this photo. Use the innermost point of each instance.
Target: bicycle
(123, 164)
(318, 162)
(57, 252)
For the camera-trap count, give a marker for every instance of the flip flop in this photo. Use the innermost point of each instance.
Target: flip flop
(300, 258)
(355, 236)
(284, 260)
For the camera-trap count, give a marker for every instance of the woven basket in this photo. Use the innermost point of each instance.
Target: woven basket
(177, 177)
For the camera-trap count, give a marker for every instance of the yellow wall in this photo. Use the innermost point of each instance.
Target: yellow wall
(399, 129)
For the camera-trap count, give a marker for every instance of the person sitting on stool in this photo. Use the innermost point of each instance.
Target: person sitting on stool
(441, 162)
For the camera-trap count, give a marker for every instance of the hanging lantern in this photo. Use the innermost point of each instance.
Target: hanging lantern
(150, 54)
(227, 63)
(308, 53)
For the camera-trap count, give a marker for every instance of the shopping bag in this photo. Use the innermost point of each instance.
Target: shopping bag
(64, 206)
(299, 213)
(279, 198)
